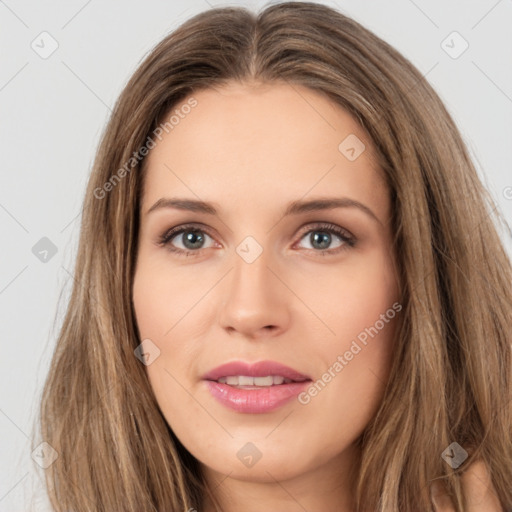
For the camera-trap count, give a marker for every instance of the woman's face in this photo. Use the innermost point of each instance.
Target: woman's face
(266, 278)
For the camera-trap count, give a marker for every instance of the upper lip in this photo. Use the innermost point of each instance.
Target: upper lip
(258, 369)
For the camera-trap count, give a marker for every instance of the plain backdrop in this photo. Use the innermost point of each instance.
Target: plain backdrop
(54, 108)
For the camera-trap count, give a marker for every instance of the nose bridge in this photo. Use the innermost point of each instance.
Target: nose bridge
(254, 297)
(251, 280)
(250, 265)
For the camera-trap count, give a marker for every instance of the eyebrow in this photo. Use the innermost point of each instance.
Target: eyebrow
(293, 208)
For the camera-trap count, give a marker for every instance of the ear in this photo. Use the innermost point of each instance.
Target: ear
(440, 498)
(478, 489)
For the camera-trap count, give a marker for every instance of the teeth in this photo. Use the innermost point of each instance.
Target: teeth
(264, 381)
(244, 380)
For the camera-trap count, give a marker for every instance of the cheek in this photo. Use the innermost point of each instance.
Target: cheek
(160, 300)
(159, 308)
(164, 304)
(342, 401)
(363, 311)
(351, 298)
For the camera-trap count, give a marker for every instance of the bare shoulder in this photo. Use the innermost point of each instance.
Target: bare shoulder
(478, 488)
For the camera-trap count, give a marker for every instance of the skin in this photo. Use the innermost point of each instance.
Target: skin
(251, 149)
(477, 487)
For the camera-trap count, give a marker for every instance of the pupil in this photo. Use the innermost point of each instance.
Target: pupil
(326, 238)
(192, 237)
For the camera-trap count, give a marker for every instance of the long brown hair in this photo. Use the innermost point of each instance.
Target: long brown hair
(451, 376)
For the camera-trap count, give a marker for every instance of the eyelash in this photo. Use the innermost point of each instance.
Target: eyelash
(348, 240)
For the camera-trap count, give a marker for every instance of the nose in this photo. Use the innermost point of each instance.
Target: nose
(256, 300)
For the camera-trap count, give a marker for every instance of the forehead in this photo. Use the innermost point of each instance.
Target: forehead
(263, 143)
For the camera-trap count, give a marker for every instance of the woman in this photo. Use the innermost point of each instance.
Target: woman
(290, 293)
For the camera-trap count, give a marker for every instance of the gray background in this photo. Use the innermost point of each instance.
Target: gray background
(54, 109)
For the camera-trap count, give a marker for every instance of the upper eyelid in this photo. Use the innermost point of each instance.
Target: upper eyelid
(178, 230)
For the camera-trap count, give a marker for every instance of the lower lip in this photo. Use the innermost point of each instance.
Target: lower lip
(255, 401)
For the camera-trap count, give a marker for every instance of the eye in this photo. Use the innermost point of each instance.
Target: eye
(321, 236)
(192, 241)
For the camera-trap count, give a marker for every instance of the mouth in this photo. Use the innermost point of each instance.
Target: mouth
(259, 374)
(248, 382)
(255, 388)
